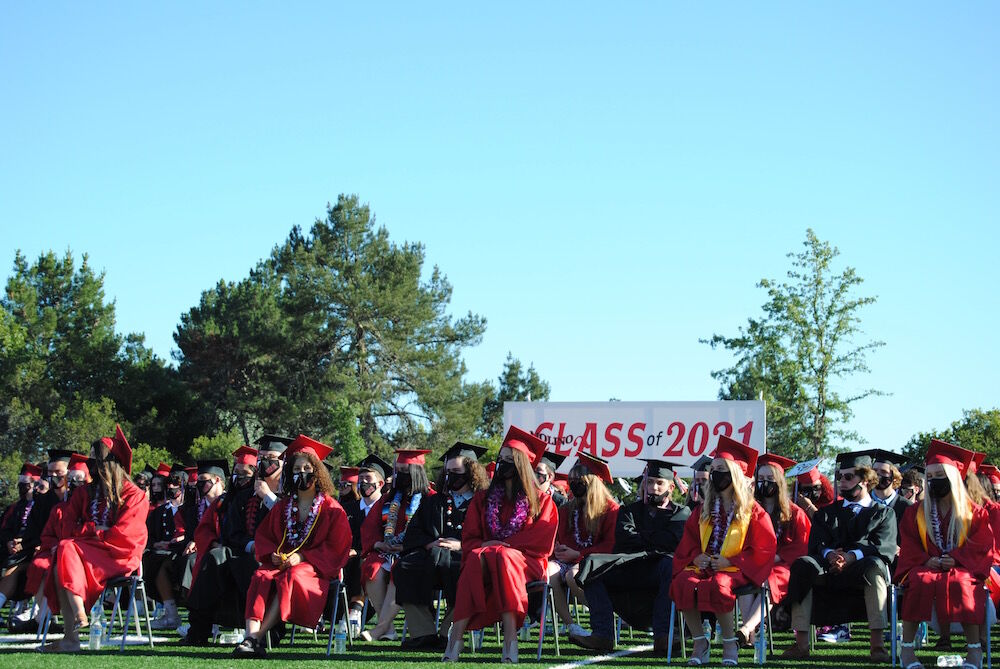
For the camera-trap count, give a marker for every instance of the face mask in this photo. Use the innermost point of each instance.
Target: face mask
(578, 488)
(205, 487)
(73, 485)
(156, 495)
(656, 500)
(267, 468)
(367, 489)
(242, 481)
(56, 481)
(402, 481)
(173, 493)
(304, 480)
(721, 480)
(852, 494)
(141, 483)
(938, 488)
(883, 483)
(92, 465)
(506, 470)
(23, 489)
(457, 481)
(767, 489)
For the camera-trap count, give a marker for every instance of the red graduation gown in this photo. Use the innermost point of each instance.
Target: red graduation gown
(40, 564)
(793, 544)
(713, 591)
(373, 531)
(87, 558)
(604, 540)
(205, 534)
(956, 595)
(301, 589)
(493, 578)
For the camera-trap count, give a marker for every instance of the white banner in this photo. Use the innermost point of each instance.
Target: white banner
(624, 432)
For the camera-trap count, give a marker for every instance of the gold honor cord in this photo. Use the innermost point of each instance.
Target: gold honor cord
(285, 556)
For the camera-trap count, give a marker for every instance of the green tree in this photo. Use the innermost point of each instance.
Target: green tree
(144, 454)
(978, 430)
(219, 446)
(806, 341)
(515, 384)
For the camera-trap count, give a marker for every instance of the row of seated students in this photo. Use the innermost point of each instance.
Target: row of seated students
(265, 552)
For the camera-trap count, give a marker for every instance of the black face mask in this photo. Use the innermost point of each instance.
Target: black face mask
(766, 489)
(402, 481)
(721, 480)
(205, 487)
(505, 470)
(242, 481)
(578, 488)
(304, 480)
(457, 481)
(938, 488)
(156, 495)
(656, 500)
(367, 489)
(267, 468)
(23, 489)
(73, 485)
(173, 492)
(883, 482)
(852, 494)
(810, 493)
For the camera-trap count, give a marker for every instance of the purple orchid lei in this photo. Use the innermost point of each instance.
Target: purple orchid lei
(576, 532)
(517, 520)
(296, 537)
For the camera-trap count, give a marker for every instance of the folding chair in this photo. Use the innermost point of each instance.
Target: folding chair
(115, 586)
(764, 592)
(895, 591)
(548, 604)
(340, 590)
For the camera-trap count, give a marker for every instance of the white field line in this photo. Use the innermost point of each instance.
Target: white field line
(603, 658)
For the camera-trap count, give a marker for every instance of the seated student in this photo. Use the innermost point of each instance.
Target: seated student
(815, 491)
(699, 480)
(992, 482)
(158, 487)
(791, 528)
(431, 559)
(104, 530)
(911, 485)
(171, 540)
(634, 580)
(21, 531)
(885, 464)
(586, 526)
(851, 545)
(382, 535)
(143, 479)
(507, 539)
(372, 471)
(347, 486)
(302, 545)
(729, 543)
(545, 475)
(945, 555)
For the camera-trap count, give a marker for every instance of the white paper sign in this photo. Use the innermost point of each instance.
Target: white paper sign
(625, 432)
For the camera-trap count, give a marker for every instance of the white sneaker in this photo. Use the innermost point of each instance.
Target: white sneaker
(166, 622)
(576, 630)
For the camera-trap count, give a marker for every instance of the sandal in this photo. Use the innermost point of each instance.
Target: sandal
(697, 660)
(745, 639)
(729, 661)
(969, 665)
(911, 665)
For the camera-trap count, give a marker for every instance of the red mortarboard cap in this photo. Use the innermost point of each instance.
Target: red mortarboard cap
(411, 456)
(349, 474)
(79, 462)
(192, 474)
(490, 469)
(244, 455)
(991, 471)
(943, 453)
(304, 444)
(121, 450)
(596, 466)
(525, 442)
(163, 469)
(809, 478)
(781, 462)
(34, 471)
(562, 483)
(977, 459)
(744, 456)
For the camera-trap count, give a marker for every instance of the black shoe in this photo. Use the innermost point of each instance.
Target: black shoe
(250, 648)
(24, 626)
(188, 640)
(426, 642)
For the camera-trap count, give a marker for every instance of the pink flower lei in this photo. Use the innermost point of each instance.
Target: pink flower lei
(517, 520)
(297, 536)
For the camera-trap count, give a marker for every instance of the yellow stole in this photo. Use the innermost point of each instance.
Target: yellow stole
(732, 545)
(922, 530)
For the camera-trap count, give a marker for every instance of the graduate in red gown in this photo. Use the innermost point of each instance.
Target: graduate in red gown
(814, 491)
(791, 527)
(945, 554)
(586, 525)
(104, 530)
(302, 545)
(509, 534)
(728, 543)
(382, 534)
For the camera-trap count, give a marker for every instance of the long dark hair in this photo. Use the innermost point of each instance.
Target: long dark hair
(323, 482)
(419, 484)
(110, 477)
(524, 481)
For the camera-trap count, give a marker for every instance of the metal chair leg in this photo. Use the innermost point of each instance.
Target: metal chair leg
(541, 622)
(670, 634)
(333, 619)
(555, 630)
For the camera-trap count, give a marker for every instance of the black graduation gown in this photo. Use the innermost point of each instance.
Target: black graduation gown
(643, 536)
(872, 531)
(162, 526)
(238, 530)
(352, 570)
(419, 572)
(30, 532)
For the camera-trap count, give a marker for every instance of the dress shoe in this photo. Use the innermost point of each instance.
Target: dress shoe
(593, 642)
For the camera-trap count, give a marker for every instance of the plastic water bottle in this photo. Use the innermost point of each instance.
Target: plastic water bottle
(949, 661)
(340, 637)
(96, 626)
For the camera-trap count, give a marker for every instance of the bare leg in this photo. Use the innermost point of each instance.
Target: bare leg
(574, 588)
(455, 639)
(692, 618)
(749, 613)
(509, 624)
(253, 626)
(375, 589)
(387, 614)
(730, 649)
(271, 615)
(556, 583)
(908, 655)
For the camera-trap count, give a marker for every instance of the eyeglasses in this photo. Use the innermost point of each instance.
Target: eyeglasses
(847, 476)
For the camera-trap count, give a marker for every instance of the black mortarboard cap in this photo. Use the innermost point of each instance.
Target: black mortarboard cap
(879, 455)
(702, 464)
(856, 459)
(461, 449)
(660, 469)
(553, 460)
(58, 454)
(374, 463)
(146, 473)
(915, 466)
(273, 442)
(218, 468)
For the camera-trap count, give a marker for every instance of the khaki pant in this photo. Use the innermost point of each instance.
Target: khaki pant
(876, 596)
(420, 621)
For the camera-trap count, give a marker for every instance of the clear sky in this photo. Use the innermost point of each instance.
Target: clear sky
(604, 182)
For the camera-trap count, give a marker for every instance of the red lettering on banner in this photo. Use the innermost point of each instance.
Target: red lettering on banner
(612, 438)
(727, 429)
(675, 450)
(635, 439)
(588, 440)
(745, 431)
(704, 438)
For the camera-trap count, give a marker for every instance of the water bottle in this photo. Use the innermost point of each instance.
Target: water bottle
(96, 626)
(949, 661)
(340, 637)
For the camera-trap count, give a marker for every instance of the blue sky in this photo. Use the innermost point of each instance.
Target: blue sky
(605, 184)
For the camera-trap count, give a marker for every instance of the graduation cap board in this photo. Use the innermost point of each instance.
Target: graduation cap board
(879, 455)
(373, 463)
(463, 450)
(553, 460)
(778, 461)
(855, 459)
(660, 469)
(702, 464)
(59, 455)
(218, 468)
(273, 442)
(802, 467)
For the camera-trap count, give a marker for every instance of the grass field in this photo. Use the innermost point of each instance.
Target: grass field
(384, 655)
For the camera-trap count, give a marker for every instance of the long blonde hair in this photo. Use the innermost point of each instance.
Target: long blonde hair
(961, 505)
(782, 506)
(595, 504)
(742, 496)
